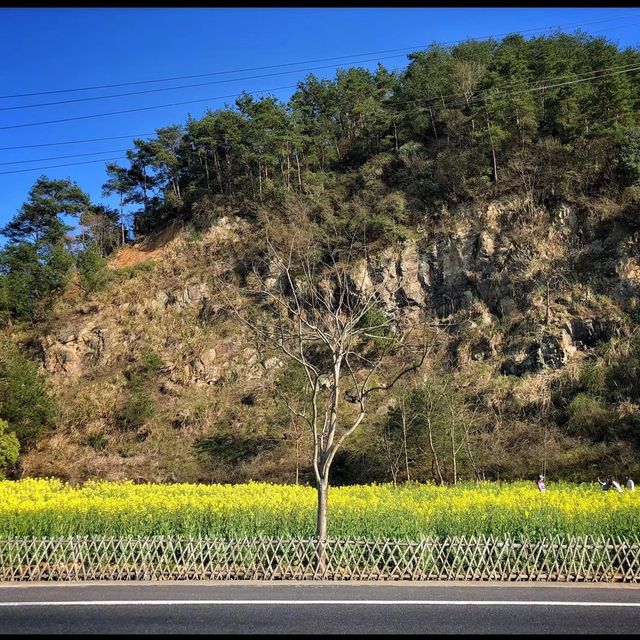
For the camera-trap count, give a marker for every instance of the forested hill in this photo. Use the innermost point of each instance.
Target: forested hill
(549, 115)
(497, 182)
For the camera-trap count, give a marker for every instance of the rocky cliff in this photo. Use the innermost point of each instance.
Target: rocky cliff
(518, 290)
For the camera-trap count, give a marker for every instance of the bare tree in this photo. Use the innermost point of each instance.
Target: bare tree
(467, 75)
(393, 439)
(325, 318)
(407, 422)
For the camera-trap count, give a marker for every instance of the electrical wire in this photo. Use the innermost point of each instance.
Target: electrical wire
(473, 100)
(286, 64)
(158, 106)
(186, 86)
(55, 144)
(68, 164)
(78, 155)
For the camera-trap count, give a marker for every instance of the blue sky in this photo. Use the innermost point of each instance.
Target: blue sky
(47, 50)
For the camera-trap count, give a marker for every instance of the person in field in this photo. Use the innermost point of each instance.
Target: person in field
(540, 483)
(611, 483)
(629, 484)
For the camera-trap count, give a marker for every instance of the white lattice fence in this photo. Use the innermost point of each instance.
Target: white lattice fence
(566, 559)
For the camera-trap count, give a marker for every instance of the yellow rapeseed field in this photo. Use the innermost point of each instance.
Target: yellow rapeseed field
(49, 507)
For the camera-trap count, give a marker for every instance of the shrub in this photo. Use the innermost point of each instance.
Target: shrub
(24, 400)
(590, 416)
(629, 158)
(98, 441)
(92, 269)
(137, 410)
(9, 447)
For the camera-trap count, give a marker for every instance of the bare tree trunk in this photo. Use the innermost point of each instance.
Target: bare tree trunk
(323, 495)
(393, 466)
(453, 449)
(218, 170)
(206, 171)
(473, 121)
(144, 190)
(334, 322)
(296, 435)
(493, 152)
(436, 464)
(321, 524)
(433, 124)
(548, 302)
(470, 454)
(299, 173)
(495, 164)
(121, 220)
(229, 172)
(288, 172)
(404, 442)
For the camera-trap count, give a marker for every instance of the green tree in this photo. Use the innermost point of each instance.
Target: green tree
(165, 150)
(35, 262)
(100, 226)
(9, 447)
(313, 111)
(136, 184)
(121, 182)
(25, 402)
(629, 158)
(38, 220)
(92, 268)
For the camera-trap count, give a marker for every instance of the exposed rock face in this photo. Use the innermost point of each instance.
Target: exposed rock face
(442, 276)
(578, 334)
(546, 354)
(472, 267)
(478, 279)
(400, 278)
(205, 368)
(192, 293)
(587, 332)
(272, 363)
(495, 267)
(69, 352)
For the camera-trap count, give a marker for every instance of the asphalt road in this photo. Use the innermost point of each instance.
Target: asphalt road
(318, 608)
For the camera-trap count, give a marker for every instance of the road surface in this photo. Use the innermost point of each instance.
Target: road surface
(317, 608)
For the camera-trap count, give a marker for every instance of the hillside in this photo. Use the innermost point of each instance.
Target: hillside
(210, 385)
(510, 227)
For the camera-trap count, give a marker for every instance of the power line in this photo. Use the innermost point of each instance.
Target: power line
(472, 100)
(55, 144)
(143, 135)
(485, 98)
(110, 113)
(461, 103)
(158, 106)
(77, 155)
(546, 87)
(287, 64)
(165, 105)
(69, 164)
(188, 86)
(520, 84)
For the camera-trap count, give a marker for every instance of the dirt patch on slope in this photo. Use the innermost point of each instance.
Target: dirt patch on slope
(152, 247)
